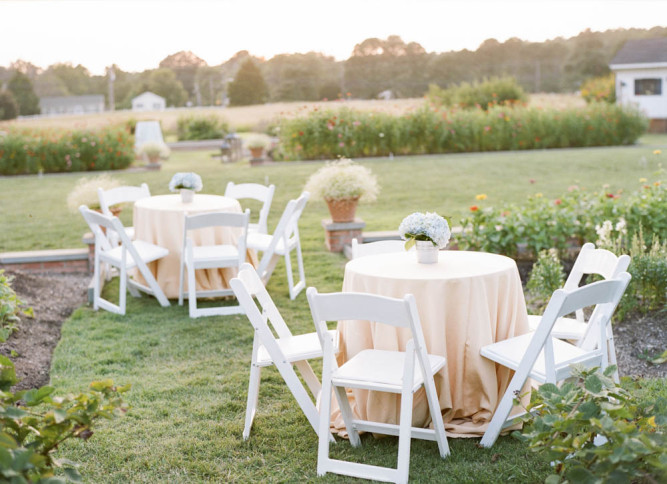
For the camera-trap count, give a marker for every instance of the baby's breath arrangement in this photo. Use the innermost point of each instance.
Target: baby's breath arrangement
(343, 179)
(154, 149)
(85, 191)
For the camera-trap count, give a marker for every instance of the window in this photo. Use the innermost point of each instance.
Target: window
(648, 87)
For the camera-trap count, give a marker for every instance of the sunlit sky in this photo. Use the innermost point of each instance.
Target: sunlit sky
(137, 34)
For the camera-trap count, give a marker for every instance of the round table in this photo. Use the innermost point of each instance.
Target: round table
(159, 220)
(465, 301)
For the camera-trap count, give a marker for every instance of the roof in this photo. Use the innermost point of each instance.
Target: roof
(642, 51)
(71, 100)
(148, 94)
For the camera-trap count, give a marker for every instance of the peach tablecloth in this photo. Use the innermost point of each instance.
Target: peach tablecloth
(465, 301)
(159, 220)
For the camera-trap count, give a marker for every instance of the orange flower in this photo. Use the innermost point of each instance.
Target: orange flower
(474, 208)
(558, 201)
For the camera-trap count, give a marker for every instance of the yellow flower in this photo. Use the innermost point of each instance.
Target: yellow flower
(642, 180)
(481, 196)
(656, 152)
(538, 195)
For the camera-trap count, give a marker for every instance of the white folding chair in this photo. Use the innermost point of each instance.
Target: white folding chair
(258, 192)
(124, 194)
(284, 351)
(546, 359)
(211, 257)
(379, 370)
(284, 240)
(126, 256)
(589, 261)
(374, 248)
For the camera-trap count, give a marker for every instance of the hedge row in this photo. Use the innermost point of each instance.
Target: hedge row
(350, 133)
(26, 152)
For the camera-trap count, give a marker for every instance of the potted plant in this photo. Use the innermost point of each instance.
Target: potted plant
(256, 143)
(85, 193)
(429, 232)
(343, 184)
(187, 184)
(153, 152)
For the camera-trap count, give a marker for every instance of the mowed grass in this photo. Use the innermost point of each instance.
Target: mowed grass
(189, 377)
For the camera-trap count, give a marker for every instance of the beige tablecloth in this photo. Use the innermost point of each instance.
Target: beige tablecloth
(159, 220)
(465, 301)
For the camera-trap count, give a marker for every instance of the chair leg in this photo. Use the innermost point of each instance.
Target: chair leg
(123, 289)
(611, 351)
(503, 410)
(348, 416)
(96, 283)
(290, 276)
(192, 291)
(253, 395)
(405, 423)
(436, 417)
(180, 285)
(309, 377)
(325, 411)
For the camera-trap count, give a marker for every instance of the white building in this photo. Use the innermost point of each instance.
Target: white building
(148, 101)
(71, 104)
(641, 78)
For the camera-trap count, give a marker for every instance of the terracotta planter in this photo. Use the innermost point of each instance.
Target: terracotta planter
(342, 210)
(257, 153)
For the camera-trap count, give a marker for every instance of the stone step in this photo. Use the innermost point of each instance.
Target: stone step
(61, 260)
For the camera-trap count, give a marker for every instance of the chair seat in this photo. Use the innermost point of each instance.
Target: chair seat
(297, 348)
(215, 255)
(510, 352)
(262, 242)
(565, 328)
(147, 252)
(381, 370)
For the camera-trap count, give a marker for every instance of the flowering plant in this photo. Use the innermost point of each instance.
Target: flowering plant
(189, 181)
(425, 226)
(154, 149)
(343, 179)
(85, 191)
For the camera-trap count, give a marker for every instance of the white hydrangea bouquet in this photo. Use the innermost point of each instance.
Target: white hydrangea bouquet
(186, 181)
(427, 226)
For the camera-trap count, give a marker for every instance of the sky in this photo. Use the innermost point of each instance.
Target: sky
(137, 34)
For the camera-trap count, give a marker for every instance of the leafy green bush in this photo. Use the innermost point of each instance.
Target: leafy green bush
(545, 277)
(10, 307)
(600, 89)
(9, 108)
(201, 127)
(33, 423)
(566, 421)
(326, 134)
(485, 94)
(29, 151)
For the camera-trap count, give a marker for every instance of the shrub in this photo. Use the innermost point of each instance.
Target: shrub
(545, 277)
(9, 109)
(566, 421)
(326, 134)
(485, 94)
(201, 127)
(33, 423)
(10, 307)
(600, 89)
(25, 151)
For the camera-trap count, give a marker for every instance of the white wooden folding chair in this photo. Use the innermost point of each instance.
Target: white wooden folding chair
(546, 359)
(284, 240)
(374, 248)
(284, 351)
(125, 256)
(258, 192)
(590, 261)
(378, 370)
(211, 257)
(124, 194)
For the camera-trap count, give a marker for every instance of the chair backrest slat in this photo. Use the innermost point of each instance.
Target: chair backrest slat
(124, 194)
(210, 219)
(254, 191)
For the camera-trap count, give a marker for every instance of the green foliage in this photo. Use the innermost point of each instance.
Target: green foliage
(10, 307)
(26, 151)
(326, 134)
(488, 93)
(545, 277)
(9, 109)
(601, 89)
(567, 420)
(33, 423)
(248, 87)
(201, 127)
(21, 87)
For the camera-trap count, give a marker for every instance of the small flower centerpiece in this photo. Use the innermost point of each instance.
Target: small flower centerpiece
(187, 184)
(343, 184)
(428, 231)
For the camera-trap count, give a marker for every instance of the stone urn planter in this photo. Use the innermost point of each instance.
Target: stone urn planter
(342, 210)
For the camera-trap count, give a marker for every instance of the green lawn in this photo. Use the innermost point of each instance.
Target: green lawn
(189, 377)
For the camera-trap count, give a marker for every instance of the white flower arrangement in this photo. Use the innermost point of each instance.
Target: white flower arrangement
(85, 191)
(189, 181)
(425, 226)
(342, 179)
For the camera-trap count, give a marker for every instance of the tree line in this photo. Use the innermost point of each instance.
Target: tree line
(376, 67)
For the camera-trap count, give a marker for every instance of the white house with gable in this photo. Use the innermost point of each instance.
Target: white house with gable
(641, 78)
(148, 101)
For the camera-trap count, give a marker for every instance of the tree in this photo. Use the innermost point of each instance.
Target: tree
(21, 87)
(8, 107)
(248, 87)
(77, 79)
(162, 82)
(185, 65)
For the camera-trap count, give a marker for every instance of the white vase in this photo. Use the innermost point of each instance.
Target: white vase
(427, 253)
(187, 196)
